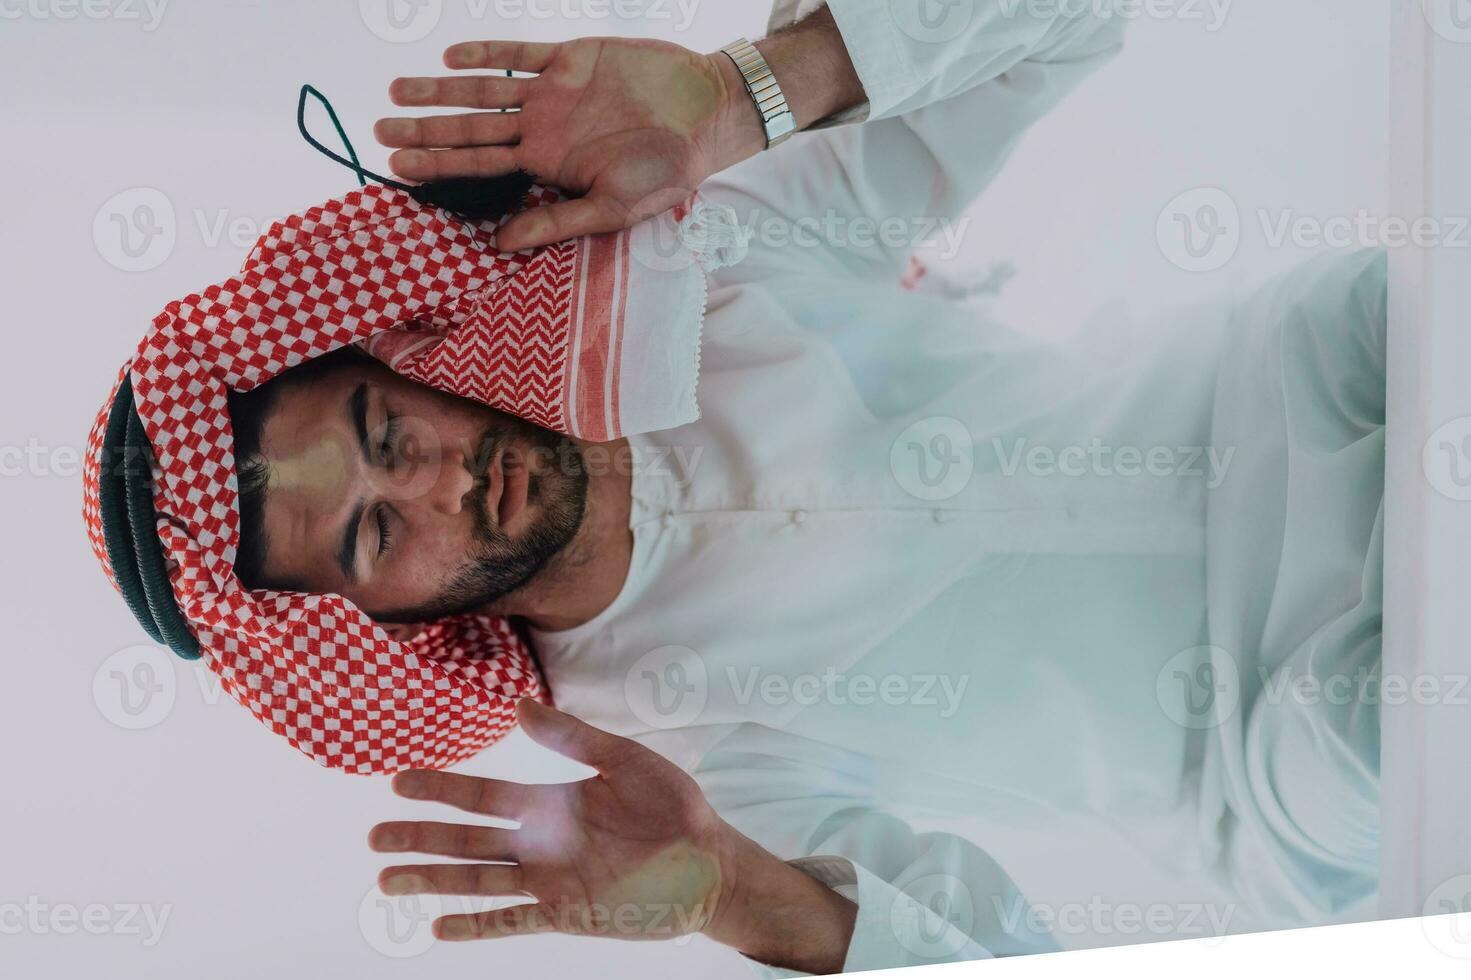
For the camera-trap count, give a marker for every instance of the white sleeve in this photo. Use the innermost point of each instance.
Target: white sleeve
(942, 117)
(908, 58)
(922, 898)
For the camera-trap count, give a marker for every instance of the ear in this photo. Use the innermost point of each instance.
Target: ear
(403, 632)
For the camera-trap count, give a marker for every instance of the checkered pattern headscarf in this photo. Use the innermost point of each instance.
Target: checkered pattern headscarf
(560, 336)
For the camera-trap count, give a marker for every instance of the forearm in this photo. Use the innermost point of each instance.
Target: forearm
(812, 66)
(779, 916)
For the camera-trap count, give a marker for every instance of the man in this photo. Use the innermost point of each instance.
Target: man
(851, 619)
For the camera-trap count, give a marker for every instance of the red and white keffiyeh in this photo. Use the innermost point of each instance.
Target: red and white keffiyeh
(597, 337)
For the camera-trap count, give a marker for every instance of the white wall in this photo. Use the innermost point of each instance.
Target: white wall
(260, 855)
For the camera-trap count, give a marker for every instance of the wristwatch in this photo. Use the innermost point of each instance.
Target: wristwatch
(761, 83)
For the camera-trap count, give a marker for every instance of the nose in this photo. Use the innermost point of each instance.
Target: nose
(453, 482)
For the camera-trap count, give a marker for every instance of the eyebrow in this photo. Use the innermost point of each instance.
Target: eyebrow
(347, 551)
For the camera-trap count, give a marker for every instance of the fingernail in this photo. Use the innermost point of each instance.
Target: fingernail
(398, 884)
(455, 928)
(407, 159)
(395, 128)
(409, 784)
(386, 838)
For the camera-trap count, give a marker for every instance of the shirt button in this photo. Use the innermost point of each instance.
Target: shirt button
(799, 517)
(940, 516)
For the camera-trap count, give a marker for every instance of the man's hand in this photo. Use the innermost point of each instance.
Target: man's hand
(635, 852)
(632, 126)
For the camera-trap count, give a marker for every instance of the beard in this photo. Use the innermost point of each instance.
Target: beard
(496, 563)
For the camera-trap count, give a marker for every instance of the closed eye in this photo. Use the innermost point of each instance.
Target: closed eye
(390, 433)
(385, 535)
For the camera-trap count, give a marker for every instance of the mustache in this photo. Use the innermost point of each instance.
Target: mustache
(477, 464)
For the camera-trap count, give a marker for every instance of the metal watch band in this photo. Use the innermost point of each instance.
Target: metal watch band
(776, 117)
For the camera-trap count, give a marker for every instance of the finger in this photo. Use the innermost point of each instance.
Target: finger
(476, 92)
(444, 839)
(505, 55)
(518, 920)
(492, 797)
(452, 879)
(471, 161)
(572, 737)
(558, 222)
(461, 129)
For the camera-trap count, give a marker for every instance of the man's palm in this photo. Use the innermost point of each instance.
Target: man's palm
(634, 852)
(630, 125)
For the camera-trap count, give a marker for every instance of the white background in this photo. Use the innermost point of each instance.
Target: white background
(258, 857)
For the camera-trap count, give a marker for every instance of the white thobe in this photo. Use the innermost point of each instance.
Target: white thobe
(958, 616)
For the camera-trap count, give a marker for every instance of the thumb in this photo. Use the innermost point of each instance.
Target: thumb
(559, 222)
(572, 737)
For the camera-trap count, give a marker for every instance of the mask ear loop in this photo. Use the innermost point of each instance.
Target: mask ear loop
(475, 198)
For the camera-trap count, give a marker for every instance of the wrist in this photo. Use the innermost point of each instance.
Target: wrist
(738, 130)
(776, 914)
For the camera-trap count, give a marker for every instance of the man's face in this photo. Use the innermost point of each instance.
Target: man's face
(412, 503)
